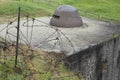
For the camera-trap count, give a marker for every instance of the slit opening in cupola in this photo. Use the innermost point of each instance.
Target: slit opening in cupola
(56, 16)
(66, 16)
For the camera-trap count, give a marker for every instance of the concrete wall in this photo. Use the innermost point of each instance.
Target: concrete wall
(99, 62)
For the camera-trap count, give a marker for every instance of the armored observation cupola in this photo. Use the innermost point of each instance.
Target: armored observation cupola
(66, 16)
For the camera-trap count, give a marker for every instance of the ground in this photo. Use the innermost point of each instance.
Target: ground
(100, 9)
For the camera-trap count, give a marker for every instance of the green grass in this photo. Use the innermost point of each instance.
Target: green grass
(103, 8)
(99, 9)
(27, 8)
(9, 9)
(33, 65)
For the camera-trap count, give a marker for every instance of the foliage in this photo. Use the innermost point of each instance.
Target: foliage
(27, 8)
(100, 9)
(103, 8)
(33, 65)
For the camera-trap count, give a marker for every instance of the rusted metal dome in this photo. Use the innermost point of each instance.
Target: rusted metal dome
(66, 16)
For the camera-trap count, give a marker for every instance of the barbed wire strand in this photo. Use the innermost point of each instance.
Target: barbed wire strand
(33, 20)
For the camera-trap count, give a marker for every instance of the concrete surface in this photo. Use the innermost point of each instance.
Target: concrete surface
(70, 41)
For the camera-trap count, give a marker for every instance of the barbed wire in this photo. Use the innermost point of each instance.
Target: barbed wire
(49, 62)
(26, 53)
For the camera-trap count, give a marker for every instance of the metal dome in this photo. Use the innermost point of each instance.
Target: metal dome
(66, 16)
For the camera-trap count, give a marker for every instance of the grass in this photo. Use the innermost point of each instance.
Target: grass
(33, 65)
(109, 9)
(99, 9)
(9, 9)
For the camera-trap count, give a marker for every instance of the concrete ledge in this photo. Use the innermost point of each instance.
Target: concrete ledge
(71, 40)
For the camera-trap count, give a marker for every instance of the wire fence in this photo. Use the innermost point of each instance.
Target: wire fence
(33, 63)
(37, 65)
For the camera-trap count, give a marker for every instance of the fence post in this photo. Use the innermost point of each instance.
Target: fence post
(17, 42)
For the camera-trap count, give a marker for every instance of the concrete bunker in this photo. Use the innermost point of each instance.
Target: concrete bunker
(66, 16)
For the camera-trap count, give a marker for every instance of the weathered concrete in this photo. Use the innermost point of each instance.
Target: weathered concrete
(91, 33)
(99, 62)
(93, 49)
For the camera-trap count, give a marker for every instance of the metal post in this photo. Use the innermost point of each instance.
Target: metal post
(17, 42)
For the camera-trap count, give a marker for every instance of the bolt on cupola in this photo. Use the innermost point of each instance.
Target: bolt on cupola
(66, 16)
